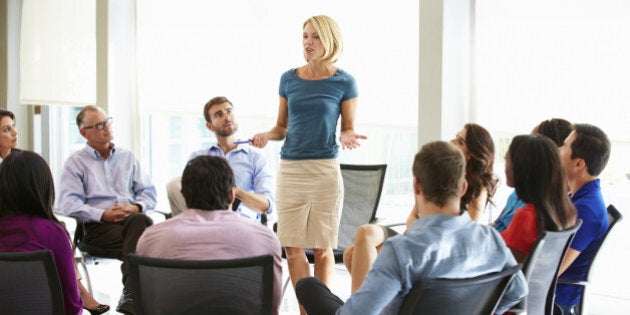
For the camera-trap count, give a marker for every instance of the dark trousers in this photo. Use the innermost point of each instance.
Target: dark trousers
(316, 298)
(119, 238)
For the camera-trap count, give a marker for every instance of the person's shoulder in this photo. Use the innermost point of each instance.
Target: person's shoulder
(344, 75)
(290, 73)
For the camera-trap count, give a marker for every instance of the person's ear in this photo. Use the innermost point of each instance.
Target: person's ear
(464, 187)
(232, 195)
(83, 132)
(580, 164)
(209, 126)
(417, 187)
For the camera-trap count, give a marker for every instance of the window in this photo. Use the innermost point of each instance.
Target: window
(191, 51)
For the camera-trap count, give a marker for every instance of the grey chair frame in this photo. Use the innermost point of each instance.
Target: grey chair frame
(474, 296)
(14, 295)
(541, 270)
(141, 295)
(614, 216)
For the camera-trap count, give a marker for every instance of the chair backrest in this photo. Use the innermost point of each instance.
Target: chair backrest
(29, 284)
(542, 266)
(614, 216)
(363, 185)
(166, 286)
(474, 296)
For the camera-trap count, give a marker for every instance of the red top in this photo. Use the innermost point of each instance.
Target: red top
(522, 232)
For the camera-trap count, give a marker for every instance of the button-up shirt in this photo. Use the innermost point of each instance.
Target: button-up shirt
(251, 174)
(90, 184)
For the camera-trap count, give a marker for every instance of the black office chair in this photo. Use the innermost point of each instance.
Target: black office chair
(166, 286)
(614, 216)
(541, 270)
(473, 296)
(29, 284)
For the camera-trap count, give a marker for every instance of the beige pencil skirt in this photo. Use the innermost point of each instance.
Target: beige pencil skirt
(309, 198)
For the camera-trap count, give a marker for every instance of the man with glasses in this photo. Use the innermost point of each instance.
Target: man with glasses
(105, 187)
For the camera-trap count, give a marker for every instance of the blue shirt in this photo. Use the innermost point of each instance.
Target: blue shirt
(251, 173)
(506, 216)
(437, 246)
(589, 202)
(90, 184)
(314, 108)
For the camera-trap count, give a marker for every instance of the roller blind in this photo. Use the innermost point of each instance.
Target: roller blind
(58, 52)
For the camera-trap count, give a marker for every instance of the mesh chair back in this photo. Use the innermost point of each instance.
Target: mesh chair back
(29, 284)
(239, 286)
(541, 269)
(363, 185)
(474, 296)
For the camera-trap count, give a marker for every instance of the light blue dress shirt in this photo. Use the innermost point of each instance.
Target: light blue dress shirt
(251, 173)
(437, 246)
(90, 184)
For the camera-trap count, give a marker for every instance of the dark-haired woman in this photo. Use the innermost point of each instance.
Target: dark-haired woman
(27, 222)
(556, 129)
(478, 148)
(533, 168)
(8, 133)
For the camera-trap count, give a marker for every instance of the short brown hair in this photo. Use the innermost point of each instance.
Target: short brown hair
(212, 102)
(440, 168)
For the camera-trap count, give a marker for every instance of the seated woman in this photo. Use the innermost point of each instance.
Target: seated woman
(8, 144)
(8, 134)
(27, 222)
(556, 129)
(478, 148)
(533, 168)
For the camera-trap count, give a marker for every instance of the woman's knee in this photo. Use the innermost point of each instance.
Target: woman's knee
(369, 234)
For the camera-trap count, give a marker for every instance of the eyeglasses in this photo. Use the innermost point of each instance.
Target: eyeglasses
(100, 125)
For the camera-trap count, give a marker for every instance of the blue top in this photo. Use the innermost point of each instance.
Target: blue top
(314, 108)
(90, 184)
(437, 246)
(251, 173)
(591, 209)
(506, 216)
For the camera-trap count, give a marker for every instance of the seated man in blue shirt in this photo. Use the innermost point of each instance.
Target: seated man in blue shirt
(584, 155)
(104, 186)
(439, 243)
(254, 183)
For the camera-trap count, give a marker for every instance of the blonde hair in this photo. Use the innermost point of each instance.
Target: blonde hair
(330, 35)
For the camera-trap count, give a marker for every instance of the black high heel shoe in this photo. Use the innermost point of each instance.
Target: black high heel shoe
(100, 309)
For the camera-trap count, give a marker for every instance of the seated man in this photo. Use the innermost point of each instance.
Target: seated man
(209, 229)
(104, 186)
(584, 155)
(254, 184)
(439, 243)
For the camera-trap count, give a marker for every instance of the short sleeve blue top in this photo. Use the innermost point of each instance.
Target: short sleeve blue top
(314, 109)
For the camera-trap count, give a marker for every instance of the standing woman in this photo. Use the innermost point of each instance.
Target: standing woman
(27, 222)
(8, 133)
(310, 187)
(478, 148)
